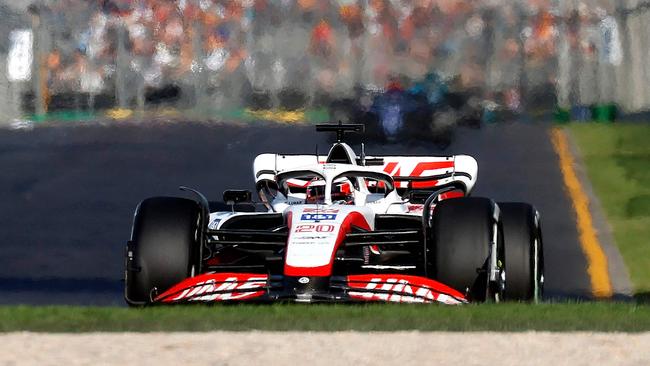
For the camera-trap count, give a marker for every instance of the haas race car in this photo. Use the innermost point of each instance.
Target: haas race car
(338, 228)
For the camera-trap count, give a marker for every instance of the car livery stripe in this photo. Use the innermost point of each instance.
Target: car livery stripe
(390, 167)
(420, 170)
(434, 165)
(211, 287)
(424, 184)
(401, 288)
(353, 218)
(394, 169)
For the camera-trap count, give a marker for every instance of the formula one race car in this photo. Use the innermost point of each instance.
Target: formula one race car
(339, 228)
(427, 111)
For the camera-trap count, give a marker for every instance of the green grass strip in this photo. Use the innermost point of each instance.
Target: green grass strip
(594, 316)
(617, 157)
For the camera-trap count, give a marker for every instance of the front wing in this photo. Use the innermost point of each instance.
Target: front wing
(249, 287)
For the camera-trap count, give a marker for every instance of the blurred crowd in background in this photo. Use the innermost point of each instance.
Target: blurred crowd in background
(519, 55)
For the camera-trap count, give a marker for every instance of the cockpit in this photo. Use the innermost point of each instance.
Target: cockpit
(332, 184)
(342, 192)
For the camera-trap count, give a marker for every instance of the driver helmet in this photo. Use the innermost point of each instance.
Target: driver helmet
(342, 191)
(315, 192)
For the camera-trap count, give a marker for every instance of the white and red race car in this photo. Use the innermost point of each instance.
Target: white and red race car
(339, 228)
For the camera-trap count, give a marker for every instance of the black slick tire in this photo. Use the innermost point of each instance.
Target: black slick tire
(459, 253)
(163, 248)
(524, 250)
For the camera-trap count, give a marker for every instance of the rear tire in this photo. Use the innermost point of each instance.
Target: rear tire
(460, 247)
(163, 249)
(524, 250)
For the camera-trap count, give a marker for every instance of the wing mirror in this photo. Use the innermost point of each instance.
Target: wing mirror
(235, 196)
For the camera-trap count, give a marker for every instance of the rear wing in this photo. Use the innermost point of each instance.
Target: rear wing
(429, 172)
(409, 172)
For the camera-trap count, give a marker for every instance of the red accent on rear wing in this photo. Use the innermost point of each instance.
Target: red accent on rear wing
(429, 172)
(416, 170)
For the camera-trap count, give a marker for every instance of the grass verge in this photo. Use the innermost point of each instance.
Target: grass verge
(595, 316)
(617, 158)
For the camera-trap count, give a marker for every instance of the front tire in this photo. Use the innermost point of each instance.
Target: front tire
(524, 250)
(163, 249)
(465, 251)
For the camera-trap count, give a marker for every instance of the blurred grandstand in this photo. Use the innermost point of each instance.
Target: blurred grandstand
(204, 57)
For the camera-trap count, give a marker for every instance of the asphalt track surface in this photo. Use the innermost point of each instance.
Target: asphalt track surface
(68, 194)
